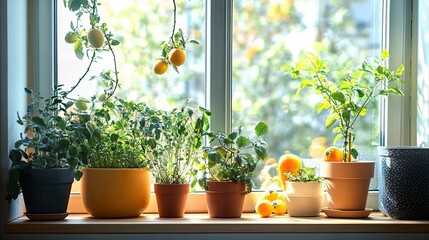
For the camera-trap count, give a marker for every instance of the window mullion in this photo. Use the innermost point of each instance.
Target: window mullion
(219, 63)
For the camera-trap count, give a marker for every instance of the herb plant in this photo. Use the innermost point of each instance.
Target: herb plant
(179, 139)
(303, 175)
(117, 137)
(51, 138)
(346, 97)
(230, 157)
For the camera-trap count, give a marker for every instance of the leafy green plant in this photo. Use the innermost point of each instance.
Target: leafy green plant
(179, 139)
(92, 44)
(117, 135)
(303, 175)
(229, 158)
(346, 96)
(51, 138)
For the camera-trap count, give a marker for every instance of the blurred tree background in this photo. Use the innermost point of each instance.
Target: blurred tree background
(267, 35)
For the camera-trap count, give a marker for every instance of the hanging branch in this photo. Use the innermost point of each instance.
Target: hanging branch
(174, 24)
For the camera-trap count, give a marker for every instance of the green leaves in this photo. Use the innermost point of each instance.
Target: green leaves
(261, 129)
(78, 49)
(346, 96)
(229, 158)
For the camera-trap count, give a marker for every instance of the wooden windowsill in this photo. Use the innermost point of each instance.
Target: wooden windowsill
(201, 223)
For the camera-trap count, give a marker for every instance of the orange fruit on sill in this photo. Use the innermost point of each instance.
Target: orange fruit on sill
(288, 163)
(264, 208)
(279, 207)
(270, 195)
(333, 154)
(160, 67)
(177, 57)
(95, 37)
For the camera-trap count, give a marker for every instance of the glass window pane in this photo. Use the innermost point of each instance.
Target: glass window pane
(423, 76)
(268, 34)
(140, 26)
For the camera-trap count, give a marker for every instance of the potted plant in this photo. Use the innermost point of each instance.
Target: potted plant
(304, 193)
(116, 180)
(179, 137)
(227, 170)
(47, 157)
(346, 98)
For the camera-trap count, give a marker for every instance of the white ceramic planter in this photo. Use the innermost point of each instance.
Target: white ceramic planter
(304, 199)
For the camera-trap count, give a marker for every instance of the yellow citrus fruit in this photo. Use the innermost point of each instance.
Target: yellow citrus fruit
(71, 37)
(288, 163)
(177, 57)
(160, 67)
(281, 197)
(96, 37)
(81, 104)
(279, 207)
(102, 97)
(264, 208)
(333, 154)
(271, 195)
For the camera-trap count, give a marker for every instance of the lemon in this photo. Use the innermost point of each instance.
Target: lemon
(71, 37)
(81, 104)
(160, 67)
(177, 57)
(95, 37)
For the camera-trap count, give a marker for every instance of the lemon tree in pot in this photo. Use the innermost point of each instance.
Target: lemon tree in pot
(116, 179)
(47, 157)
(177, 146)
(346, 98)
(227, 170)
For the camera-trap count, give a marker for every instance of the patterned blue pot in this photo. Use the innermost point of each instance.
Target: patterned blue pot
(404, 182)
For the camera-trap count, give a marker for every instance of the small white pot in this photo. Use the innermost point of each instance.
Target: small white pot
(304, 199)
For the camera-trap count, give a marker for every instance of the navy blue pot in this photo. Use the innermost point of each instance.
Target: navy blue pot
(404, 182)
(46, 191)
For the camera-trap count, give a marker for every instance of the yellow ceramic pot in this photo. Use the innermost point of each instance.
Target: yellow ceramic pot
(115, 193)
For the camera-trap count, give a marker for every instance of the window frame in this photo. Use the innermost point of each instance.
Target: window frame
(400, 41)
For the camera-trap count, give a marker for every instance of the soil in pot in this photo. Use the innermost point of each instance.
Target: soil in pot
(171, 199)
(225, 199)
(46, 191)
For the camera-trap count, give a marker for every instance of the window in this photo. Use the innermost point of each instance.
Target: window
(140, 26)
(265, 35)
(269, 34)
(422, 100)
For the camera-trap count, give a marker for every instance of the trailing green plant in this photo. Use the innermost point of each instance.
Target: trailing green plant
(91, 41)
(179, 139)
(51, 138)
(347, 96)
(117, 135)
(230, 157)
(303, 175)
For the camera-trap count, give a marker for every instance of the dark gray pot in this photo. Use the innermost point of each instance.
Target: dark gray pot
(46, 191)
(404, 182)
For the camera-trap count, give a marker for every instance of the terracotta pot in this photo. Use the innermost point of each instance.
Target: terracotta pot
(115, 193)
(303, 199)
(225, 199)
(171, 199)
(347, 184)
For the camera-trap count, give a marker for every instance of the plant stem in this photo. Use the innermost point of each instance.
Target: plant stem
(349, 159)
(174, 24)
(110, 94)
(83, 76)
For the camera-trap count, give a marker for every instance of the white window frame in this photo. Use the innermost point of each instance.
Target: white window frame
(398, 123)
